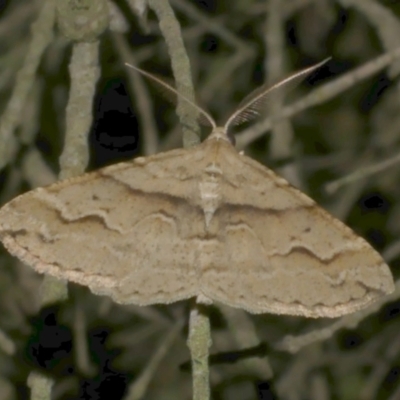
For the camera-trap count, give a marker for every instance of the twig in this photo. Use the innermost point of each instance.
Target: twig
(42, 34)
(85, 72)
(293, 381)
(387, 25)
(7, 346)
(392, 251)
(138, 389)
(379, 371)
(81, 350)
(212, 26)
(35, 170)
(281, 144)
(293, 344)
(40, 386)
(243, 330)
(17, 17)
(341, 208)
(171, 31)
(396, 394)
(199, 342)
(362, 173)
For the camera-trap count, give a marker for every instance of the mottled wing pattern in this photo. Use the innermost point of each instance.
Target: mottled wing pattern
(274, 250)
(117, 231)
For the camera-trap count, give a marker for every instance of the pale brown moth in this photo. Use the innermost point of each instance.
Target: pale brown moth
(203, 222)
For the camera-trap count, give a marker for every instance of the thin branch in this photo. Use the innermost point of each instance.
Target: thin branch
(212, 26)
(7, 346)
(81, 350)
(40, 385)
(138, 389)
(281, 143)
(42, 34)
(362, 173)
(242, 328)
(294, 344)
(385, 22)
(171, 31)
(84, 72)
(35, 170)
(199, 342)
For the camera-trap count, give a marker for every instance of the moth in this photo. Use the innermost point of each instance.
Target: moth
(204, 222)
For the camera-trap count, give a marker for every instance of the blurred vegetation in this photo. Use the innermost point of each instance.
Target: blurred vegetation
(92, 347)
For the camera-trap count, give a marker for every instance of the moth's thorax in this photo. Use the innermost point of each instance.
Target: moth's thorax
(210, 190)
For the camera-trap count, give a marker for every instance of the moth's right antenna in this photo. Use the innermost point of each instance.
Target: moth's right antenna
(254, 104)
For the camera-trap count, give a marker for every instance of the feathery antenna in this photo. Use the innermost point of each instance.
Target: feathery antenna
(256, 102)
(203, 113)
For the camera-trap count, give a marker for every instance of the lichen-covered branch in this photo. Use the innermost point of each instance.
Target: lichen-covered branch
(199, 342)
(181, 68)
(42, 34)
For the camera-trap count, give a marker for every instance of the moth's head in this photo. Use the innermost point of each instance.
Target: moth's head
(220, 133)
